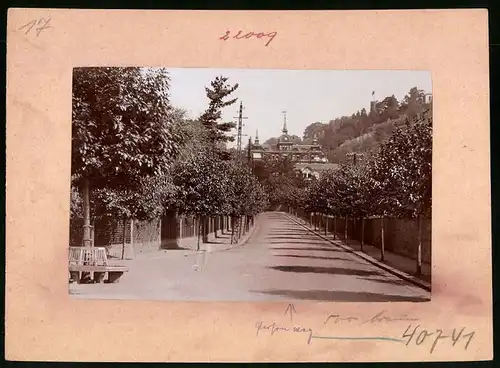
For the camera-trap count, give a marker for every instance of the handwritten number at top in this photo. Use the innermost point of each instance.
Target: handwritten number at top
(241, 35)
(41, 24)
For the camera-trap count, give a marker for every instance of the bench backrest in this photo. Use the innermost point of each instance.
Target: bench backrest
(91, 256)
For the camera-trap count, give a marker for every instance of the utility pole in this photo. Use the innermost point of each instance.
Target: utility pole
(249, 153)
(250, 158)
(240, 118)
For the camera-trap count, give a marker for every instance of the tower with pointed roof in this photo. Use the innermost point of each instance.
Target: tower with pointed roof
(256, 146)
(303, 155)
(285, 130)
(285, 142)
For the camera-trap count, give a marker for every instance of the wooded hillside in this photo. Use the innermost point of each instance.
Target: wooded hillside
(363, 131)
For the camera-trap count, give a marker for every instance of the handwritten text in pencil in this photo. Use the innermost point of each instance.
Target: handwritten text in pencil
(241, 35)
(274, 327)
(418, 336)
(42, 24)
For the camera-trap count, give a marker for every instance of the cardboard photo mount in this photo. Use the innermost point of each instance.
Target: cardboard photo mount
(44, 323)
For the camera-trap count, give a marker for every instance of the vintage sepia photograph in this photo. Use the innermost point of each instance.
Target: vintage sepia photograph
(250, 185)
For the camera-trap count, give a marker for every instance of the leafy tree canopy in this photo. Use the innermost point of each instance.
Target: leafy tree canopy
(122, 125)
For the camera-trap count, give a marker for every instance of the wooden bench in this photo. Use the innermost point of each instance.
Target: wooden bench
(93, 261)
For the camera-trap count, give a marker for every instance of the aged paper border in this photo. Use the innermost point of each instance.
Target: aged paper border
(44, 323)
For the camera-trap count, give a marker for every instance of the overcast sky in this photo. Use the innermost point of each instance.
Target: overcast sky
(308, 96)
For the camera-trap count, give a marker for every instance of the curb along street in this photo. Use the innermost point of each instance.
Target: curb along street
(403, 275)
(244, 239)
(212, 248)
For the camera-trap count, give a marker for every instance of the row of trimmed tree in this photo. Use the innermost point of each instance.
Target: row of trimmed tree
(136, 157)
(394, 181)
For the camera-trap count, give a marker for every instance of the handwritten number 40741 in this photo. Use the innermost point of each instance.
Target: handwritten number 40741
(418, 336)
(41, 24)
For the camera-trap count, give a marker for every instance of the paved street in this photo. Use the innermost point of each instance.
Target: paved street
(281, 261)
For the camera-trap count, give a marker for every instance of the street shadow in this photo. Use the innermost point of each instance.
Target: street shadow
(307, 248)
(221, 239)
(306, 242)
(342, 296)
(171, 245)
(290, 231)
(287, 226)
(314, 257)
(289, 235)
(326, 270)
(285, 238)
(385, 281)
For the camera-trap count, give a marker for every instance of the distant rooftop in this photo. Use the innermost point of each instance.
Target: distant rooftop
(316, 166)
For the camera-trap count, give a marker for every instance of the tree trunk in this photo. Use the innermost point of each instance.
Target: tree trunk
(206, 228)
(239, 227)
(181, 228)
(232, 229)
(216, 225)
(198, 223)
(353, 234)
(311, 218)
(362, 232)
(87, 241)
(124, 232)
(237, 230)
(132, 250)
(326, 224)
(419, 247)
(345, 229)
(334, 227)
(382, 245)
(209, 225)
(194, 227)
(159, 231)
